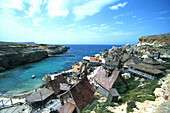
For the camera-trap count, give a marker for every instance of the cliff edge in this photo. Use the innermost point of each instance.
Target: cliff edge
(155, 40)
(14, 54)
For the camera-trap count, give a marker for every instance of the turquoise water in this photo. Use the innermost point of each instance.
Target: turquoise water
(19, 80)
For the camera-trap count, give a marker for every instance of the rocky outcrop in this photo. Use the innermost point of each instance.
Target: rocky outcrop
(162, 101)
(55, 49)
(155, 40)
(13, 56)
(152, 44)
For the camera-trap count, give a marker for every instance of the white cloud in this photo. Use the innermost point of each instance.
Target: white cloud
(139, 19)
(87, 26)
(117, 16)
(57, 8)
(90, 8)
(134, 16)
(120, 33)
(164, 12)
(119, 23)
(45, 1)
(100, 28)
(163, 18)
(71, 25)
(17, 4)
(116, 7)
(104, 26)
(34, 8)
(36, 21)
(123, 14)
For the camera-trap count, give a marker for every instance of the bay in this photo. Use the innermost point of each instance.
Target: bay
(18, 80)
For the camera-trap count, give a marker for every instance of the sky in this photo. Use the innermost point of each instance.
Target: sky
(82, 21)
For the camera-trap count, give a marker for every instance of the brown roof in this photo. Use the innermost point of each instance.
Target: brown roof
(151, 61)
(55, 84)
(106, 82)
(68, 108)
(39, 96)
(145, 68)
(152, 66)
(82, 92)
(92, 59)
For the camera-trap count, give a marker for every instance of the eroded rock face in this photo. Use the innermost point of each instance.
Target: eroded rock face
(13, 56)
(55, 49)
(155, 40)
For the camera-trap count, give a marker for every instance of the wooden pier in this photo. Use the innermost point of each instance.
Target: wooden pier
(61, 55)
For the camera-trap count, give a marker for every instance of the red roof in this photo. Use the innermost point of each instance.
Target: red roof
(106, 82)
(82, 92)
(68, 108)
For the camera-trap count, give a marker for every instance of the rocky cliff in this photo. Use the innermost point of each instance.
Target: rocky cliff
(155, 40)
(54, 49)
(12, 54)
(150, 45)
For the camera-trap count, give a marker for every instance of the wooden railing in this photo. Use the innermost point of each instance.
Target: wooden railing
(6, 103)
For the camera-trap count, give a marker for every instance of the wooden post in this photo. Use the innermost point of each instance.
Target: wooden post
(2, 103)
(42, 99)
(11, 101)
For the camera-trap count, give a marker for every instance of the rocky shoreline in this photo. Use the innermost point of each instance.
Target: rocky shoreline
(12, 56)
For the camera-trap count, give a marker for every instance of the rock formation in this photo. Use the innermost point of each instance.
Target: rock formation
(13, 54)
(162, 101)
(55, 49)
(150, 45)
(155, 40)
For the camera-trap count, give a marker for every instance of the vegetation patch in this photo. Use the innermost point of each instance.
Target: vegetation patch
(136, 93)
(97, 107)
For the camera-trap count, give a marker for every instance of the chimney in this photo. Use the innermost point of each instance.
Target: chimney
(107, 73)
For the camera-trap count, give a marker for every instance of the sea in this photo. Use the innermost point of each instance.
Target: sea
(18, 80)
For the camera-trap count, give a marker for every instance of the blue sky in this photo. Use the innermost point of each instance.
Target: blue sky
(82, 21)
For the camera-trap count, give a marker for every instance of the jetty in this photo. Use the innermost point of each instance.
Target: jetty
(61, 55)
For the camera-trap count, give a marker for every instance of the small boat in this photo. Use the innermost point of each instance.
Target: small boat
(33, 76)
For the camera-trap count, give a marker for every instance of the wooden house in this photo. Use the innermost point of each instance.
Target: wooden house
(106, 80)
(39, 98)
(149, 68)
(80, 94)
(56, 83)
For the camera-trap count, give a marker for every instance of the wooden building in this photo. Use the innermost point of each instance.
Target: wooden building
(113, 95)
(106, 80)
(80, 94)
(55, 84)
(39, 98)
(149, 68)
